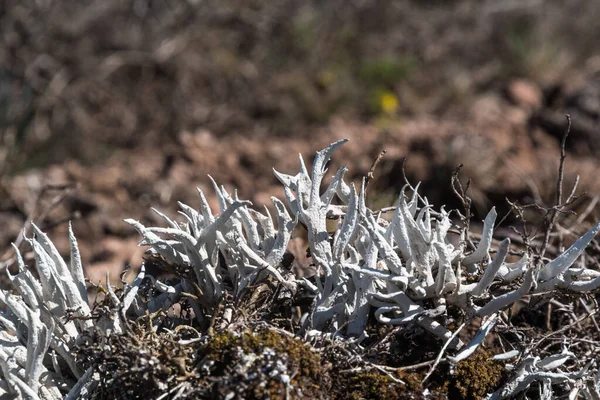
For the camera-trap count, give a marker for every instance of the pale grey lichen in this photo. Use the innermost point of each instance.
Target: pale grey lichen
(46, 317)
(548, 372)
(406, 270)
(247, 240)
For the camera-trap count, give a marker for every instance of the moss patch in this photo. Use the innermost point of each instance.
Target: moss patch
(373, 385)
(266, 364)
(475, 377)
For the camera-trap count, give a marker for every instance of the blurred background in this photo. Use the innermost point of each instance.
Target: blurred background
(110, 107)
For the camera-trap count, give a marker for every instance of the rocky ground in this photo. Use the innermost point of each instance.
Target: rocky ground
(100, 127)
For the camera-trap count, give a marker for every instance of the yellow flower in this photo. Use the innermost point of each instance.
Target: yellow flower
(388, 102)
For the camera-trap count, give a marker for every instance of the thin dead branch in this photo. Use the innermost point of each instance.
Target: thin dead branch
(371, 173)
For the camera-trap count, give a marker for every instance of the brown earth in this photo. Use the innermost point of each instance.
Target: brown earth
(115, 107)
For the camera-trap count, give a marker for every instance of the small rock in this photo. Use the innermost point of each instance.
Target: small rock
(525, 94)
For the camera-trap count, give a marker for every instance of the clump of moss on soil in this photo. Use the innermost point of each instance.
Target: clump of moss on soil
(475, 377)
(372, 385)
(376, 385)
(141, 363)
(266, 364)
(270, 363)
(472, 379)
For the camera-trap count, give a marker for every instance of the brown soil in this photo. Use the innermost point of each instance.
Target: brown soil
(130, 105)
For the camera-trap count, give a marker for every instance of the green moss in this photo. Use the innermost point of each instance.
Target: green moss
(252, 379)
(372, 385)
(219, 347)
(413, 380)
(475, 377)
(299, 354)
